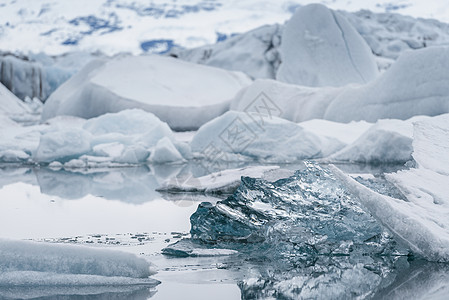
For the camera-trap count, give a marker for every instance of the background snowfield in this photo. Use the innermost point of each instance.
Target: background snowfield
(220, 149)
(115, 26)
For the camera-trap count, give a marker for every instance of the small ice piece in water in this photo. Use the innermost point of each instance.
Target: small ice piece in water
(185, 248)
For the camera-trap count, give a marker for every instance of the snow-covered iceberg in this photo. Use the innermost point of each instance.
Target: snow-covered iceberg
(415, 85)
(321, 48)
(25, 263)
(257, 136)
(183, 94)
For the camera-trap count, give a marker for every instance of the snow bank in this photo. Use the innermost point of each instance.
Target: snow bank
(321, 48)
(29, 263)
(421, 222)
(182, 94)
(415, 85)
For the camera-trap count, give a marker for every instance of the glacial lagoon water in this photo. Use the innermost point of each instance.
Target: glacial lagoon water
(310, 239)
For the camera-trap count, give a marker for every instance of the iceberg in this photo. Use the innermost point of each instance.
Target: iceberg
(321, 48)
(298, 218)
(125, 138)
(414, 85)
(25, 263)
(258, 137)
(182, 94)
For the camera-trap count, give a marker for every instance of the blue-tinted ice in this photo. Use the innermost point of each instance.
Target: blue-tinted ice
(303, 236)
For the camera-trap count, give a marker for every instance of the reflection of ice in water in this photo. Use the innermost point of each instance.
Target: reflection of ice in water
(96, 292)
(33, 202)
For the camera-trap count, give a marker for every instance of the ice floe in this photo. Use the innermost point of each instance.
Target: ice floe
(25, 263)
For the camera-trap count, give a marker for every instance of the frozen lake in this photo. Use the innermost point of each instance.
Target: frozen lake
(120, 209)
